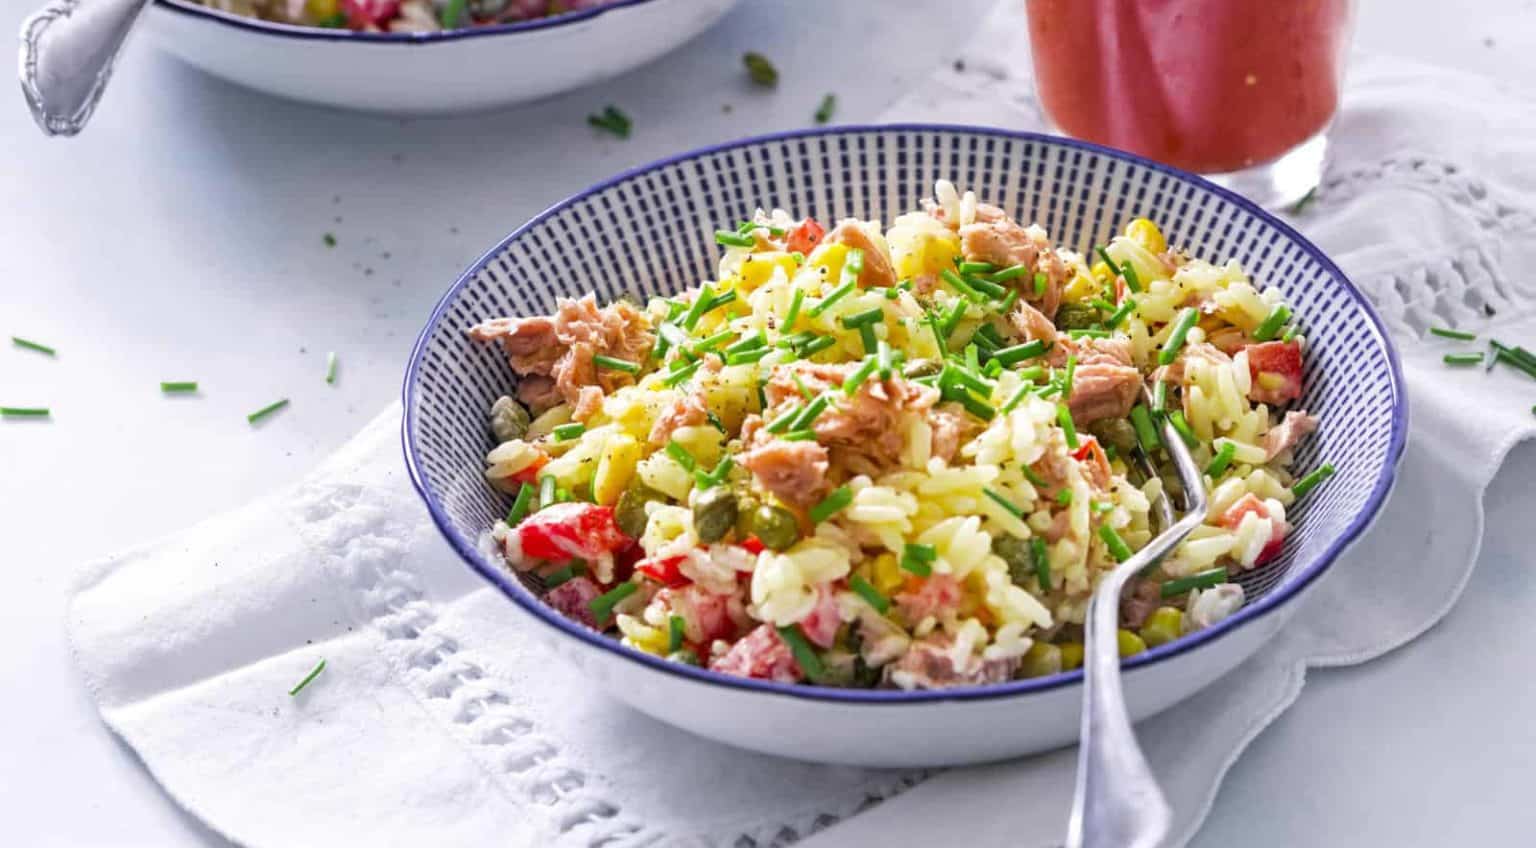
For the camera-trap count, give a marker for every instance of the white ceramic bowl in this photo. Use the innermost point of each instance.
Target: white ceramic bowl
(651, 231)
(424, 73)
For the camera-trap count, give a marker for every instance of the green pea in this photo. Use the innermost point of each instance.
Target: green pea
(1076, 316)
(714, 514)
(775, 527)
(1019, 556)
(509, 420)
(630, 512)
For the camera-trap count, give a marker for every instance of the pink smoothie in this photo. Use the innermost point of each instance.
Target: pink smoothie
(1205, 85)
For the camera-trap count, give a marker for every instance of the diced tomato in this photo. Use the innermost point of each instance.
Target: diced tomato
(569, 530)
(530, 474)
(820, 626)
(1275, 369)
(362, 14)
(1250, 503)
(663, 570)
(753, 545)
(706, 615)
(805, 237)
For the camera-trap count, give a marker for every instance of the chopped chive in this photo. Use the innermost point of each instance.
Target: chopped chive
(1160, 397)
(833, 296)
(1009, 273)
(1199, 580)
(680, 455)
(747, 357)
(962, 377)
(976, 407)
(800, 385)
(799, 436)
(869, 593)
(1042, 560)
(1132, 281)
(566, 432)
(951, 320)
(987, 287)
(977, 267)
(696, 310)
(1463, 358)
(566, 574)
(752, 342)
(31, 345)
(177, 387)
(1120, 313)
(525, 496)
(805, 655)
(1181, 425)
(857, 378)
(1007, 304)
(886, 358)
(330, 367)
(329, 239)
(266, 410)
(959, 284)
(817, 345)
(730, 239)
(547, 491)
(1221, 460)
(612, 120)
(1270, 326)
(1066, 377)
(782, 422)
(1068, 429)
(24, 412)
(1108, 260)
(761, 71)
(917, 558)
(701, 346)
(1181, 327)
(993, 369)
(679, 376)
(1117, 546)
(676, 629)
(602, 605)
(1064, 497)
(853, 267)
(1290, 333)
(1018, 353)
(308, 678)
(1018, 397)
(1032, 373)
(832, 504)
(1034, 477)
(1458, 335)
(1310, 482)
(890, 293)
(867, 338)
(812, 411)
(1088, 333)
(614, 364)
(1305, 199)
(1146, 434)
(795, 301)
(1003, 502)
(1041, 280)
(797, 339)
(824, 111)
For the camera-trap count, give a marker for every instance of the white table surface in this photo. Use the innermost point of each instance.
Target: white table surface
(181, 238)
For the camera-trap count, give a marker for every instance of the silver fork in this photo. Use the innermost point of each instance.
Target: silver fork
(1117, 802)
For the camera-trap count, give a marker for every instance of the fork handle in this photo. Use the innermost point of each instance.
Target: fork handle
(67, 51)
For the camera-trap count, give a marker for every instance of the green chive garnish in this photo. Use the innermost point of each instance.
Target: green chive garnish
(612, 120)
(799, 436)
(1066, 377)
(547, 491)
(602, 605)
(1040, 283)
(1132, 281)
(1270, 326)
(613, 364)
(869, 593)
(977, 267)
(958, 284)
(1146, 434)
(853, 267)
(1018, 397)
(453, 13)
(704, 345)
(1119, 314)
(566, 432)
(832, 504)
(987, 287)
(1221, 460)
(31, 345)
(752, 342)
(951, 320)
(863, 319)
(1117, 546)
(1068, 429)
(747, 356)
(886, 358)
(917, 558)
(817, 345)
(1042, 560)
(176, 387)
(676, 629)
(525, 496)
(679, 376)
(1181, 425)
(24, 412)
(1200, 580)
(329, 239)
(812, 411)
(857, 378)
(1018, 353)
(824, 111)
(1007, 304)
(730, 239)
(1009, 273)
(1034, 477)
(761, 71)
(1064, 497)
(1181, 328)
(782, 422)
(1160, 396)
(565, 575)
(1309, 482)
(266, 410)
(1463, 358)
(1305, 199)
(1290, 333)
(805, 656)
(313, 673)
(833, 296)
(795, 301)
(1003, 502)
(681, 456)
(1458, 335)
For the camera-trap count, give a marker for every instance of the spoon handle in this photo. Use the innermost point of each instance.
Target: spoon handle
(67, 50)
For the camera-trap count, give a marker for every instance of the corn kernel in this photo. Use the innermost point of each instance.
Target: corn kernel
(1163, 625)
(1145, 233)
(641, 636)
(888, 576)
(615, 468)
(758, 268)
(1071, 655)
(828, 258)
(1130, 644)
(1082, 287)
(1040, 660)
(1101, 272)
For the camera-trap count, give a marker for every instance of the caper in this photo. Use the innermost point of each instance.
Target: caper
(686, 656)
(921, 368)
(714, 514)
(775, 527)
(509, 420)
(629, 513)
(1076, 316)
(746, 505)
(1115, 431)
(1019, 556)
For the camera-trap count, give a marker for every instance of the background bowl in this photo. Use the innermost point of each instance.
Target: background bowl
(436, 72)
(651, 231)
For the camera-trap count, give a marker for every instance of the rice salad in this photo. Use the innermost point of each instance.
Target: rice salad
(897, 456)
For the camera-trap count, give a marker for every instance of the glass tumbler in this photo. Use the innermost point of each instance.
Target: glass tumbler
(1240, 91)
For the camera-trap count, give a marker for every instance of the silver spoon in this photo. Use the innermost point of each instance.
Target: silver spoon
(1117, 802)
(67, 50)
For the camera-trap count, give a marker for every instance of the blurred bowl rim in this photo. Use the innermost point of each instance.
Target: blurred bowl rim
(1269, 603)
(265, 27)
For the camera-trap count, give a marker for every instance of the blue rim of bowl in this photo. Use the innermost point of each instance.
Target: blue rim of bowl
(194, 10)
(1260, 608)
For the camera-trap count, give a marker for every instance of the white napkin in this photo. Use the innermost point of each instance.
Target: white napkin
(436, 722)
